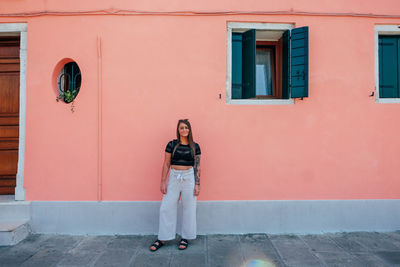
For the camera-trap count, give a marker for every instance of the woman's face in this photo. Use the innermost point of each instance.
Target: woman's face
(183, 129)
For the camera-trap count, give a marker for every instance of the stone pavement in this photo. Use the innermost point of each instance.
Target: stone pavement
(255, 250)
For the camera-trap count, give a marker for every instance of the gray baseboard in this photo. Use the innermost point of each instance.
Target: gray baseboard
(219, 217)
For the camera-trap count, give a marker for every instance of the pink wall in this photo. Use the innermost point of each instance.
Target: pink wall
(336, 144)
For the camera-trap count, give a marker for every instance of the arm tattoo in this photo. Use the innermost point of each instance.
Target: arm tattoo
(196, 170)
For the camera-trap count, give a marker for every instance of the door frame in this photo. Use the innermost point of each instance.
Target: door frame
(21, 30)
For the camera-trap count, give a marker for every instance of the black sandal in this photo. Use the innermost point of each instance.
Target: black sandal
(183, 243)
(157, 244)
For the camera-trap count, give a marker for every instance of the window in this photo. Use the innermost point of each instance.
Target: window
(387, 63)
(267, 76)
(69, 82)
(266, 63)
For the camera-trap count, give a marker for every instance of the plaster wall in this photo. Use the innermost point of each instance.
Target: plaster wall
(336, 144)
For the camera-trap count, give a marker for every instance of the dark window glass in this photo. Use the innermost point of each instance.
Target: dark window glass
(69, 82)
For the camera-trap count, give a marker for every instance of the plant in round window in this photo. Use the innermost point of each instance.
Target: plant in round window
(69, 83)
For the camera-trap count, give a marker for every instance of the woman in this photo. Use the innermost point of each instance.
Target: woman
(182, 160)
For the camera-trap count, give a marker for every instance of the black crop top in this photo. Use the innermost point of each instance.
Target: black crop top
(183, 154)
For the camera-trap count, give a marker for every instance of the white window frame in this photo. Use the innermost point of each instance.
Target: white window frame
(383, 30)
(256, 26)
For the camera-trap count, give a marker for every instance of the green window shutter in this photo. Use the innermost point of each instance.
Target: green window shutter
(388, 67)
(236, 65)
(299, 62)
(285, 64)
(249, 64)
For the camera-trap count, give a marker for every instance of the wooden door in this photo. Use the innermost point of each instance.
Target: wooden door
(9, 113)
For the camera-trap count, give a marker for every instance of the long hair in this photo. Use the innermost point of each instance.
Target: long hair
(190, 137)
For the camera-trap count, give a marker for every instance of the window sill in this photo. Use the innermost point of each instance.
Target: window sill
(388, 100)
(261, 101)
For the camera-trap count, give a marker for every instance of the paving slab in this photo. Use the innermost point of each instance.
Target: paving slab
(44, 257)
(150, 259)
(321, 243)
(86, 252)
(61, 242)
(186, 258)
(78, 259)
(373, 241)
(393, 237)
(368, 259)
(341, 249)
(347, 242)
(18, 254)
(130, 242)
(115, 257)
(51, 250)
(339, 259)
(391, 257)
(93, 244)
(257, 248)
(4, 249)
(224, 250)
(294, 251)
(15, 260)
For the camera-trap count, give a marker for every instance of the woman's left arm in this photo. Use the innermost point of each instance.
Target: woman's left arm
(197, 175)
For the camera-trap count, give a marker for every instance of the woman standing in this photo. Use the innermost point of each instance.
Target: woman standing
(182, 160)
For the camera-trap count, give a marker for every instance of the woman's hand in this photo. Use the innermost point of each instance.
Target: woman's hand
(196, 190)
(163, 187)
(164, 173)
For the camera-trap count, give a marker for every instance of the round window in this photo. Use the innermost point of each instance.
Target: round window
(69, 82)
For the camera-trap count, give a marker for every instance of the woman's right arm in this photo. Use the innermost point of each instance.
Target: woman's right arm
(164, 173)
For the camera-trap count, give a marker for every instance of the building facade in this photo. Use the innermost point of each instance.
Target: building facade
(295, 105)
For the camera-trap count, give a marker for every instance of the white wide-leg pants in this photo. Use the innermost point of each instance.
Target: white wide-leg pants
(180, 182)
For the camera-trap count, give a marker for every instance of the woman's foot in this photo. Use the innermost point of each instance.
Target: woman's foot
(183, 244)
(156, 245)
